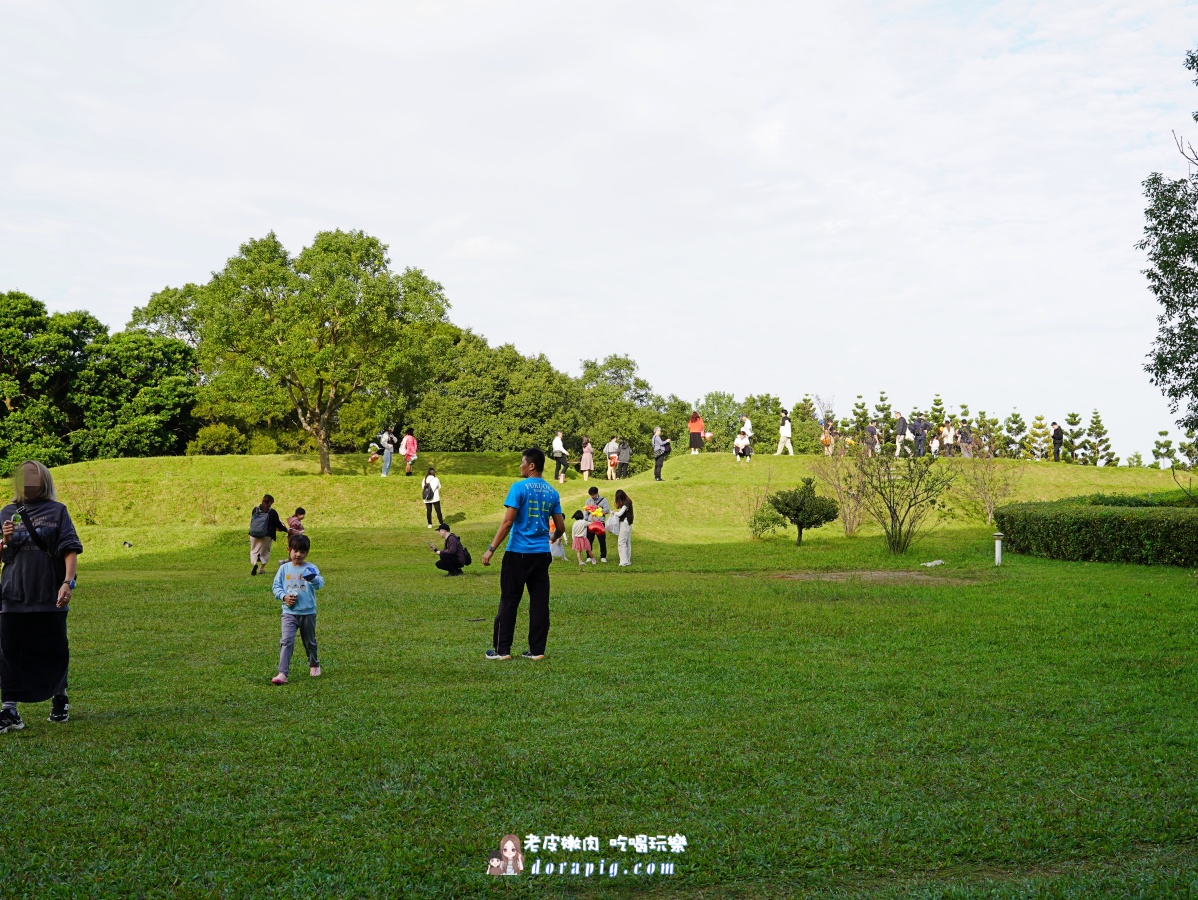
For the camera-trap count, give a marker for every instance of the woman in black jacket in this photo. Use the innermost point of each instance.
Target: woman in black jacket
(40, 549)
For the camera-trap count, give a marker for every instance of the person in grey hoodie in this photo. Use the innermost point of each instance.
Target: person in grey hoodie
(661, 449)
(624, 455)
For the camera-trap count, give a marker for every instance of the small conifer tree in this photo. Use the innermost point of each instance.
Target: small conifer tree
(1075, 436)
(1135, 461)
(986, 433)
(937, 413)
(1188, 450)
(1163, 454)
(885, 416)
(1036, 442)
(1098, 444)
(1014, 429)
(860, 419)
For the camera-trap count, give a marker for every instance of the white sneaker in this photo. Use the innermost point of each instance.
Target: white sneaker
(591, 560)
(603, 559)
(430, 525)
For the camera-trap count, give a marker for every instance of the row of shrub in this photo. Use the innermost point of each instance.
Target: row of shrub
(1105, 528)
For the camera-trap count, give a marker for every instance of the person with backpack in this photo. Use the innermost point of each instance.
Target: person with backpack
(901, 435)
(455, 556)
(430, 493)
(265, 526)
(623, 458)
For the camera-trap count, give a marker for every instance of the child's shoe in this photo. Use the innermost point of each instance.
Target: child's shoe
(10, 720)
(314, 671)
(591, 560)
(279, 679)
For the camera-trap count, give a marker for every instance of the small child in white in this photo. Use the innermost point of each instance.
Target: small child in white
(579, 534)
(296, 584)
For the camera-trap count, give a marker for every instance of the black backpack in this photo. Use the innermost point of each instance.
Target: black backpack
(466, 560)
(427, 493)
(259, 522)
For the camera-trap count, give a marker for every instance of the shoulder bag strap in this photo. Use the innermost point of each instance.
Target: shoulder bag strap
(34, 536)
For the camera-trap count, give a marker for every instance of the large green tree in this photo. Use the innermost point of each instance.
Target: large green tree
(310, 332)
(1171, 242)
(136, 394)
(41, 357)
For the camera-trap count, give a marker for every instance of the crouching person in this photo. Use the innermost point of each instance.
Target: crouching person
(453, 557)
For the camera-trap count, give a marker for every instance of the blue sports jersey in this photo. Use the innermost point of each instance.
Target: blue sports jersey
(535, 503)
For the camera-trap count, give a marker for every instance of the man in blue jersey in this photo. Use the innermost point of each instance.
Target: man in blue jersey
(532, 505)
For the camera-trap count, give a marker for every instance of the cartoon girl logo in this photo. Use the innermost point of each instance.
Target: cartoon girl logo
(511, 856)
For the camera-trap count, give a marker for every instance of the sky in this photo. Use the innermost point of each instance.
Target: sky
(753, 197)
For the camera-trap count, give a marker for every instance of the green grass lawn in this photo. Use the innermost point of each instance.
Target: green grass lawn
(959, 731)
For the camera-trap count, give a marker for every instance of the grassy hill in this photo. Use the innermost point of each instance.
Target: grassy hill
(826, 720)
(703, 499)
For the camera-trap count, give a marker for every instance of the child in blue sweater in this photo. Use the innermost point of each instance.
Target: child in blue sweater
(296, 584)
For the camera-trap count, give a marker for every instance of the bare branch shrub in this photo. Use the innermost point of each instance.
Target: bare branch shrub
(841, 474)
(83, 499)
(207, 509)
(987, 481)
(905, 496)
(763, 520)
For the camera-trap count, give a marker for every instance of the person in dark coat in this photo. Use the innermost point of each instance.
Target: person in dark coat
(40, 550)
(260, 543)
(919, 428)
(453, 557)
(1058, 440)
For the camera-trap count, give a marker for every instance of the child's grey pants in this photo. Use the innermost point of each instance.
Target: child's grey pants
(306, 625)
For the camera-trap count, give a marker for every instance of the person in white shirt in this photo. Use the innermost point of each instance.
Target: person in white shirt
(784, 436)
(560, 459)
(611, 450)
(388, 442)
(742, 447)
(431, 494)
(746, 426)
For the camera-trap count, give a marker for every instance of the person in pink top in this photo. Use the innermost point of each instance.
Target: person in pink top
(408, 448)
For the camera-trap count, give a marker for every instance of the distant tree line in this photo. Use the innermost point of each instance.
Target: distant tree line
(71, 391)
(319, 351)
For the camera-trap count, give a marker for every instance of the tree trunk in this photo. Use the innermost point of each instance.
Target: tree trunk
(799, 539)
(322, 442)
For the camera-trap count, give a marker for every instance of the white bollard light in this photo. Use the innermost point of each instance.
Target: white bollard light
(998, 548)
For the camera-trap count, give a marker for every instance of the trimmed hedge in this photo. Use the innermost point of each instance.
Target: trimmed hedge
(1078, 529)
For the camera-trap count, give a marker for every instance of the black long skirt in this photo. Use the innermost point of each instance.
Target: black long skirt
(33, 656)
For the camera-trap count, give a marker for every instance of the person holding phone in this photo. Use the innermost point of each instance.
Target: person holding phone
(40, 551)
(453, 557)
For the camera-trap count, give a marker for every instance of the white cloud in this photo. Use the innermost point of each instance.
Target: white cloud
(907, 196)
(482, 247)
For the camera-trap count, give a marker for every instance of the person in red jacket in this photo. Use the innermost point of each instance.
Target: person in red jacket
(696, 428)
(408, 448)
